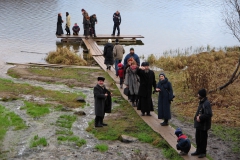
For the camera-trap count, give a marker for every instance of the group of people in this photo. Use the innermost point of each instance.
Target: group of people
(88, 24)
(140, 85)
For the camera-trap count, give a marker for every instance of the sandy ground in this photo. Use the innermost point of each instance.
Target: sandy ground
(16, 142)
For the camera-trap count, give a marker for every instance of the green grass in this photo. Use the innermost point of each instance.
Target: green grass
(9, 119)
(36, 110)
(228, 134)
(101, 147)
(37, 141)
(65, 133)
(66, 99)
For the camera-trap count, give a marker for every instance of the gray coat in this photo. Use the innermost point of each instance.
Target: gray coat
(132, 81)
(118, 51)
(102, 104)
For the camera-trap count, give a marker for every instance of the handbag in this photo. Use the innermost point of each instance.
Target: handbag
(126, 91)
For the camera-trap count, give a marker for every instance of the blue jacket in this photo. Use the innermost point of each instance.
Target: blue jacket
(135, 57)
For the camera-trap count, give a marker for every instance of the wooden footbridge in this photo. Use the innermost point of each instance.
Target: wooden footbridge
(167, 132)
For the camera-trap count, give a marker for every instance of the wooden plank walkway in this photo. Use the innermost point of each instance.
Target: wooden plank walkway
(167, 132)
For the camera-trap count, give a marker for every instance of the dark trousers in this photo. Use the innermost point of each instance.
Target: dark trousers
(201, 141)
(116, 26)
(121, 81)
(67, 30)
(98, 120)
(133, 98)
(93, 31)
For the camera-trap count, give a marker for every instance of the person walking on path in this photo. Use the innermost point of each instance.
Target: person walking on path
(93, 21)
(202, 123)
(121, 74)
(132, 82)
(164, 87)
(75, 29)
(86, 27)
(68, 23)
(131, 54)
(183, 143)
(59, 25)
(147, 82)
(108, 54)
(102, 102)
(117, 21)
(84, 14)
(118, 52)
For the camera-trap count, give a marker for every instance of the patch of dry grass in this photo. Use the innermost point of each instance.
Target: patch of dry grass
(65, 56)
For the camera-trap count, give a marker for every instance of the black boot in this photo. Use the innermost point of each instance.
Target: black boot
(101, 122)
(165, 122)
(98, 122)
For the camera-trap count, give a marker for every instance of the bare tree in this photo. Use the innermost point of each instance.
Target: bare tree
(232, 19)
(232, 16)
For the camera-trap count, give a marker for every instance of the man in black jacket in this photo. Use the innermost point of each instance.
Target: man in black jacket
(102, 102)
(117, 22)
(93, 21)
(202, 123)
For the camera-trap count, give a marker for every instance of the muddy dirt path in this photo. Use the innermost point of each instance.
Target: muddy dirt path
(16, 143)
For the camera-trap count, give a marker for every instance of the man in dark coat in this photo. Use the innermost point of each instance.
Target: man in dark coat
(202, 123)
(108, 54)
(147, 82)
(117, 21)
(93, 21)
(164, 87)
(102, 102)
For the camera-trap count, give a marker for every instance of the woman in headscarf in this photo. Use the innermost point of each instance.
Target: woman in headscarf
(59, 25)
(132, 81)
(164, 87)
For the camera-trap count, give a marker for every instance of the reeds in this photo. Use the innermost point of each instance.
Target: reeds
(65, 56)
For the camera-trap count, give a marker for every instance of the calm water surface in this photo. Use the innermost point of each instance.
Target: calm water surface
(30, 25)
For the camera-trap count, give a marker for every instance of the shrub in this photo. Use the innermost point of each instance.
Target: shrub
(65, 56)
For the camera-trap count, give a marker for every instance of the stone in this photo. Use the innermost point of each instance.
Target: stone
(80, 113)
(67, 109)
(127, 139)
(80, 99)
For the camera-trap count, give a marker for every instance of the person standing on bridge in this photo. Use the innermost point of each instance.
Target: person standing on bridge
(108, 54)
(202, 123)
(85, 14)
(118, 52)
(68, 23)
(164, 87)
(59, 25)
(93, 21)
(86, 24)
(117, 21)
(102, 102)
(131, 54)
(147, 82)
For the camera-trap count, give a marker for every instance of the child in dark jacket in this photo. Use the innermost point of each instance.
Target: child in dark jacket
(121, 74)
(184, 144)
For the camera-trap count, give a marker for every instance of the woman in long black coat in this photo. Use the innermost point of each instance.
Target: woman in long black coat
(164, 87)
(87, 24)
(59, 25)
(108, 54)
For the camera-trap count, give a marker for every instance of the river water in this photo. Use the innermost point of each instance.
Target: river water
(27, 27)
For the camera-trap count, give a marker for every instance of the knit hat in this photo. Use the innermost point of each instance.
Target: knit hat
(100, 78)
(145, 64)
(117, 41)
(178, 132)
(120, 65)
(202, 93)
(131, 49)
(162, 74)
(109, 41)
(83, 10)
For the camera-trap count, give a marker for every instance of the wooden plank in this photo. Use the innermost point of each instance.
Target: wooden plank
(100, 36)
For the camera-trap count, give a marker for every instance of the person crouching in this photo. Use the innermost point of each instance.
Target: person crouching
(184, 144)
(102, 102)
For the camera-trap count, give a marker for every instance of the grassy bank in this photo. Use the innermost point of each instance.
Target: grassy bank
(10, 89)
(205, 70)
